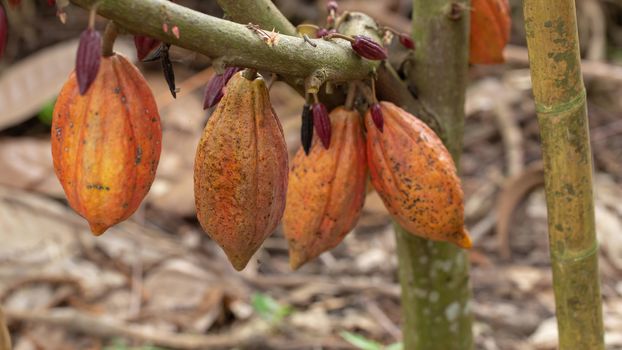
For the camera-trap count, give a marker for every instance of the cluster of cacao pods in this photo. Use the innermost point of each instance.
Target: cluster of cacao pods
(409, 167)
(106, 140)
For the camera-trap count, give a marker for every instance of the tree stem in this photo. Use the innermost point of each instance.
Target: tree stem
(553, 45)
(435, 275)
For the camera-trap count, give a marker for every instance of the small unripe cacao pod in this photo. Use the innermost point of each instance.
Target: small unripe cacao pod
(240, 170)
(106, 143)
(415, 176)
(326, 190)
(490, 31)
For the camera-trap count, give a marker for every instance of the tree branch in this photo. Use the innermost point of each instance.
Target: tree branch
(232, 43)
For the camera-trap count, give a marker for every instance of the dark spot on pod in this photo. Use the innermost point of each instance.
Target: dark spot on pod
(139, 155)
(97, 187)
(59, 133)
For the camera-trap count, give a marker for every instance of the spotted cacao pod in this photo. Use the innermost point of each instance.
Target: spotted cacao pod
(415, 176)
(240, 170)
(326, 190)
(490, 31)
(106, 143)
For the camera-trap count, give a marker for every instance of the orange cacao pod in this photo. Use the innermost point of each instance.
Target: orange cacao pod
(240, 170)
(490, 31)
(326, 190)
(415, 176)
(106, 143)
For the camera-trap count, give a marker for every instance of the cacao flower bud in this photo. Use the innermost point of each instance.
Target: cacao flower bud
(490, 31)
(88, 58)
(406, 41)
(216, 87)
(365, 47)
(240, 170)
(146, 46)
(106, 143)
(326, 190)
(321, 122)
(4, 29)
(415, 176)
(322, 32)
(306, 128)
(376, 116)
(332, 5)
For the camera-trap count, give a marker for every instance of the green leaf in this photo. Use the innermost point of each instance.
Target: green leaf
(360, 341)
(268, 308)
(395, 346)
(46, 112)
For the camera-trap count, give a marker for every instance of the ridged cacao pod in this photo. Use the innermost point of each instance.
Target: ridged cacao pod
(240, 170)
(326, 190)
(490, 31)
(415, 176)
(106, 144)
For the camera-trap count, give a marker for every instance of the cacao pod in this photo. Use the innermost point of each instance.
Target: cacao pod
(240, 170)
(326, 190)
(4, 29)
(146, 47)
(415, 176)
(490, 31)
(106, 144)
(366, 47)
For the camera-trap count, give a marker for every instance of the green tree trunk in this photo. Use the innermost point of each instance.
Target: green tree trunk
(559, 93)
(435, 275)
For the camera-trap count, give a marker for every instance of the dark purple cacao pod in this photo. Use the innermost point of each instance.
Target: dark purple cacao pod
(145, 46)
(376, 116)
(406, 41)
(215, 88)
(4, 29)
(365, 47)
(321, 122)
(88, 58)
(306, 129)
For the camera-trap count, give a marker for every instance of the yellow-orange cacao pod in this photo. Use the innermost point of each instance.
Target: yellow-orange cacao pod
(240, 170)
(490, 31)
(326, 190)
(106, 143)
(415, 176)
